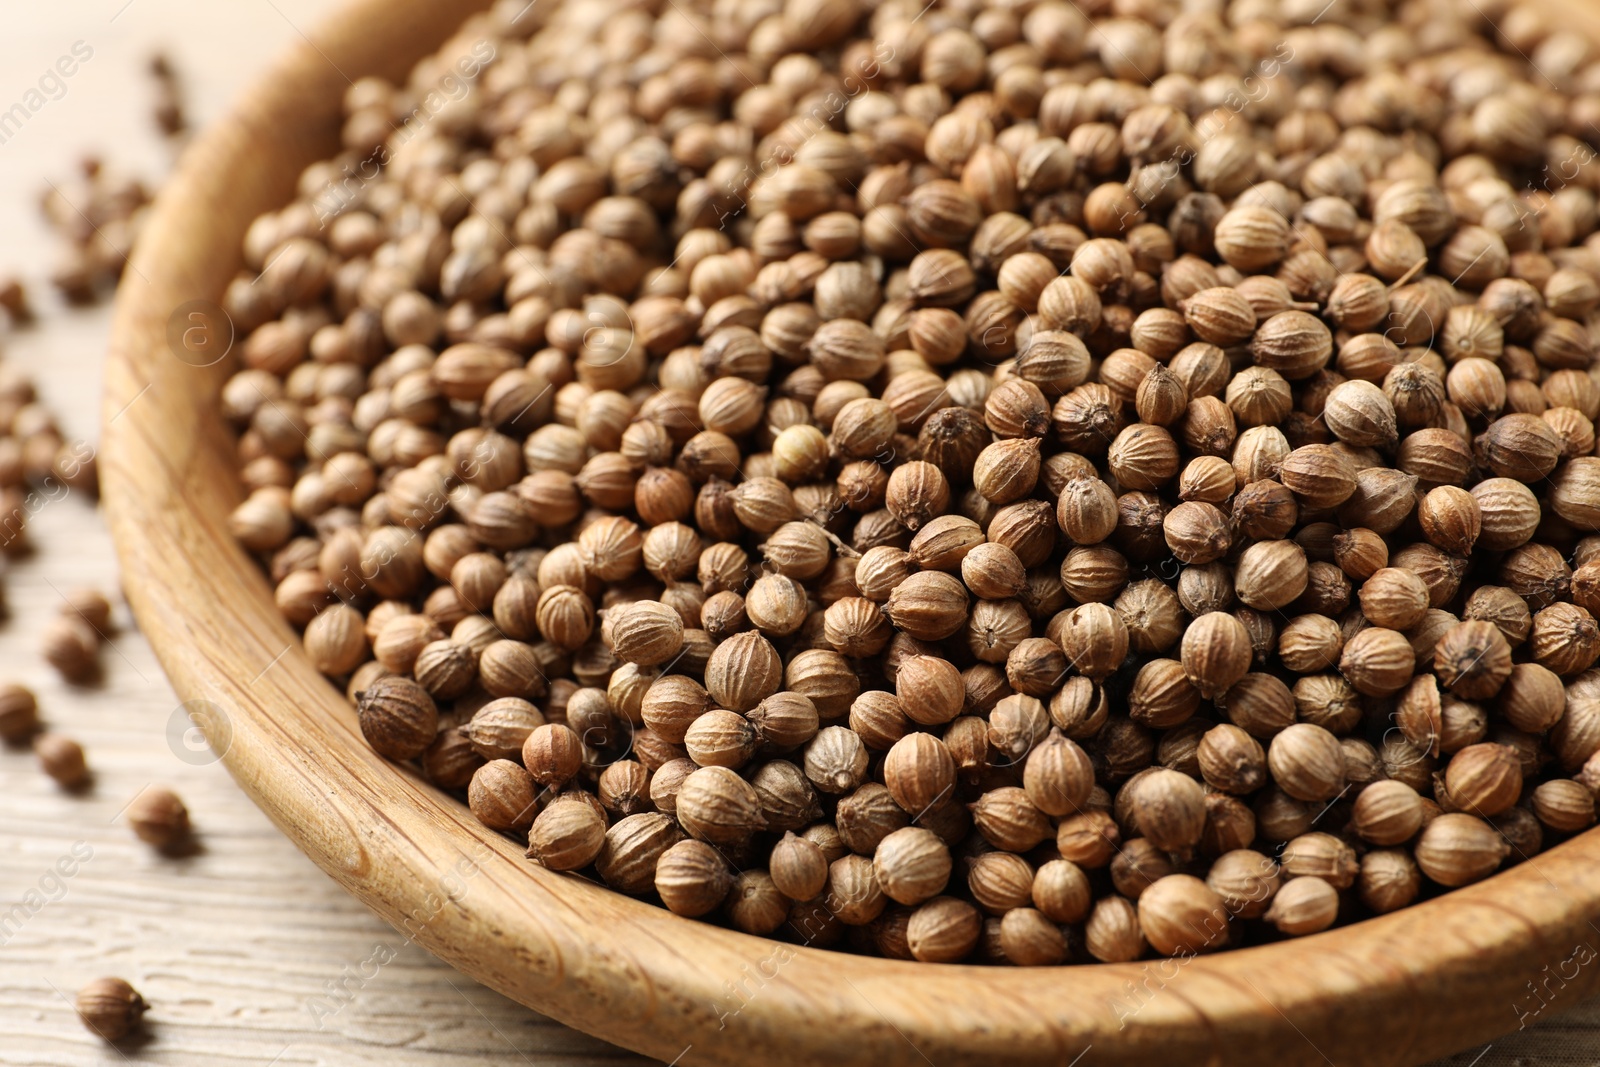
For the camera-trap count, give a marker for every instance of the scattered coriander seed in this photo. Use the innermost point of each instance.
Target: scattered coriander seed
(19, 713)
(110, 1008)
(62, 759)
(91, 606)
(72, 647)
(159, 818)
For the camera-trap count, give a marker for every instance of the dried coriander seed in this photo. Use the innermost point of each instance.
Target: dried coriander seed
(110, 1008)
(72, 647)
(1180, 913)
(19, 713)
(1012, 494)
(692, 878)
(567, 835)
(159, 818)
(398, 717)
(1303, 906)
(62, 759)
(1456, 849)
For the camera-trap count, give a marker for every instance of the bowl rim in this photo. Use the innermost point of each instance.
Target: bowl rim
(1428, 980)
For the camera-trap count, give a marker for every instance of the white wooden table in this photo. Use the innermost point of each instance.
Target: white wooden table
(248, 954)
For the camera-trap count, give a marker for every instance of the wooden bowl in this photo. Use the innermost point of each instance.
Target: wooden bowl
(1426, 981)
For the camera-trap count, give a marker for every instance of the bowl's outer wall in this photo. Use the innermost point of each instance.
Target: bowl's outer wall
(1430, 980)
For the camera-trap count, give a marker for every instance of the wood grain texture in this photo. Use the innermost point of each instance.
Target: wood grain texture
(1393, 991)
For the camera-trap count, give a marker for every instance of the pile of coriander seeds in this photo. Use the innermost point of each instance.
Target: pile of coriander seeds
(1035, 483)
